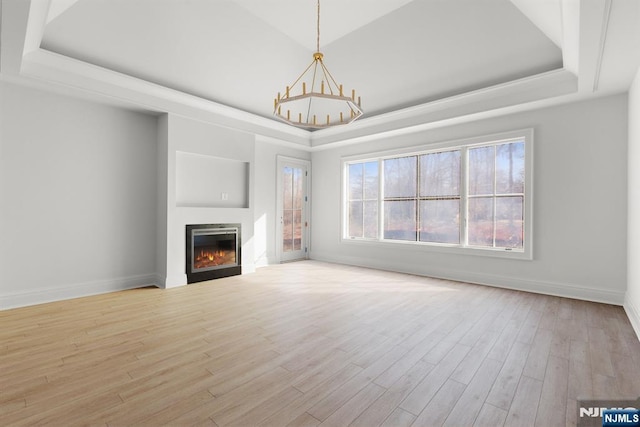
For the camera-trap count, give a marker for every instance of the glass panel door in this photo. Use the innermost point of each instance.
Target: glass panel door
(293, 207)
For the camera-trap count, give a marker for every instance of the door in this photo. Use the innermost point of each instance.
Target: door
(293, 206)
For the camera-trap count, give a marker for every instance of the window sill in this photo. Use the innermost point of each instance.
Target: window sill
(442, 248)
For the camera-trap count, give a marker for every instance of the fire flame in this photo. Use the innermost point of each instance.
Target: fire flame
(209, 258)
(210, 255)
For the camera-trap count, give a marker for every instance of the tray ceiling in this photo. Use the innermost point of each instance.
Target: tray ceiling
(396, 54)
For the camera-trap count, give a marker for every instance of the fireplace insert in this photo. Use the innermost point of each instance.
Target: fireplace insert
(213, 251)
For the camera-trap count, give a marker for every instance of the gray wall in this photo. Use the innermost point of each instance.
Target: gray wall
(632, 302)
(580, 205)
(78, 191)
(74, 172)
(185, 135)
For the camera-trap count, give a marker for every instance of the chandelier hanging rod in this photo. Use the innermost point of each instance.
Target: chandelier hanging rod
(313, 103)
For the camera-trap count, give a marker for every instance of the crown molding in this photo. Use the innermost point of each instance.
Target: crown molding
(547, 85)
(23, 61)
(62, 70)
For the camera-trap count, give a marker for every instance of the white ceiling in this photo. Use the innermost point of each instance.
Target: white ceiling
(241, 53)
(411, 61)
(298, 19)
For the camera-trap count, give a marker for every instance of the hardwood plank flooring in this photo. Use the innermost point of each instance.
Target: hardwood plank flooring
(314, 344)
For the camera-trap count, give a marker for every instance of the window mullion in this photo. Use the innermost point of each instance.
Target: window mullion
(364, 183)
(495, 188)
(416, 199)
(380, 200)
(347, 208)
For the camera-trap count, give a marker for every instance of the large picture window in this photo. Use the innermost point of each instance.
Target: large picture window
(473, 196)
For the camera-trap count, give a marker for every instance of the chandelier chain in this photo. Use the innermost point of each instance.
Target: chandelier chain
(324, 98)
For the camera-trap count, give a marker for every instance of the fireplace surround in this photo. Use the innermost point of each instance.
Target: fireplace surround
(213, 251)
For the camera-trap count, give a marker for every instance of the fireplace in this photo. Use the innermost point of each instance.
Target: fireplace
(213, 251)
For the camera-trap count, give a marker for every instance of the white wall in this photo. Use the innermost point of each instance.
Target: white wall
(632, 301)
(580, 208)
(78, 192)
(191, 136)
(258, 219)
(74, 171)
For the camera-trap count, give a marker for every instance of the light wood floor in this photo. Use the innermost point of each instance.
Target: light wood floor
(308, 343)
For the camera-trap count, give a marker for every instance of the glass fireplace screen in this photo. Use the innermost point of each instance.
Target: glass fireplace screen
(214, 248)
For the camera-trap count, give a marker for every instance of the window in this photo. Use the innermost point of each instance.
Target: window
(400, 191)
(440, 197)
(363, 200)
(496, 196)
(472, 196)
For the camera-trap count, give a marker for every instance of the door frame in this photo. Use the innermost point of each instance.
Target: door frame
(283, 161)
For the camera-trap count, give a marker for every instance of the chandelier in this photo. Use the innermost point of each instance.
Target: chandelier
(315, 100)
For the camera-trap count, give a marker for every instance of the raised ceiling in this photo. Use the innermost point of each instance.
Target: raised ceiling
(414, 62)
(241, 53)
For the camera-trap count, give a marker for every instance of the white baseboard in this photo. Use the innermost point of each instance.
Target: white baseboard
(181, 279)
(266, 261)
(567, 290)
(175, 281)
(633, 312)
(248, 268)
(45, 295)
(160, 279)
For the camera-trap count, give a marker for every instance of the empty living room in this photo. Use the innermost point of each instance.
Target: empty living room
(320, 213)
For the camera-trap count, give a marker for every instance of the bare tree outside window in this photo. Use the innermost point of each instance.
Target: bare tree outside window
(293, 182)
(470, 196)
(400, 192)
(440, 197)
(362, 196)
(496, 196)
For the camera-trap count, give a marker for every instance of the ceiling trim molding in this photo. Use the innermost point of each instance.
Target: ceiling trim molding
(37, 21)
(23, 24)
(15, 20)
(584, 32)
(570, 10)
(593, 23)
(545, 85)
(603, 40)
(59, 69)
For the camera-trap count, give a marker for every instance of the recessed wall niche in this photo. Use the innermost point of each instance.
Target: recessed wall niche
(213, 182)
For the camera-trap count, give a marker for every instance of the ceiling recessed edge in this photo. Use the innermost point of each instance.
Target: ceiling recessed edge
(546, 85)
(62, 70)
